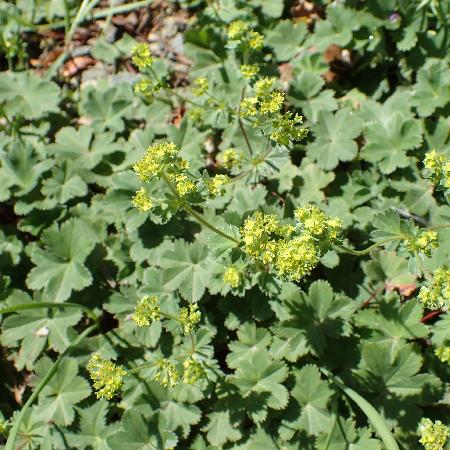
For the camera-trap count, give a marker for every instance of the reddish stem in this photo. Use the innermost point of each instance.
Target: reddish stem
(430, 315)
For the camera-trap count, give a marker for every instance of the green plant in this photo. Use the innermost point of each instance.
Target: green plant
(225, 277)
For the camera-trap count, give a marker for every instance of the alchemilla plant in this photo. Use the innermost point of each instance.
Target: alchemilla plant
(237, 237)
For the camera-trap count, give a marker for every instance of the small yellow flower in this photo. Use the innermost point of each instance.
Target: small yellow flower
(247, 107)
(437, 294)
(189, 317)
(433, 435)
(237, 29)
(296, 258)
(184, 185)
(141, 56)
(424, 242)
(232, 277)
(107, 376)
(272, 103)
(316, 223)
(438, 168)
(264, 86)
(142, 201)
(443, 353)
(249, 71)
(216, 185)
(230, 158)
(200, 86)
(255, 40)
(156, 159)
(193, 371)
(147, 310)
(167, 374)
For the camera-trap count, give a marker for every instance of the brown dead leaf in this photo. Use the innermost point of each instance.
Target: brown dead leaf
(286, 72)
(76, 65)
(305, 10)
(404, 289)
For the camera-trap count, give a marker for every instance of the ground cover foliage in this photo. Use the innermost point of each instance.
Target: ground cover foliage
(333, 332)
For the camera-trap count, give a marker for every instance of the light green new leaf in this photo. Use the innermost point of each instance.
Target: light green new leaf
(432, 89)
(335, 134)
(59, 266)
(62, 392)
(26, 94)
(187, 268)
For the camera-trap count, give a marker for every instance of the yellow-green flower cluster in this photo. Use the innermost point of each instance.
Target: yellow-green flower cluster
(438, 168)
(289, 251)
(232, 277)
(296, 258)
(433, 435)
(158, 158)
(286, 128)
(437, 294)
(230, 158)
(192, 370)
(317, 224)
(146, 87)
(183, 184)
(141, 56)
(147, 310)
(189, 317)
(167, 373)
(107, 376)
(443, 353)
(424, 242)
(200, 86)
(265, 108)
(216, 185)
(249, 71)
(248, 39)
(142, 201)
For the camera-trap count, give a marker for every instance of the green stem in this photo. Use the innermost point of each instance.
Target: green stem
(367, 250)
(439, 227)
(100, 14)
(14, 430)
(25, 306)
(195, 214)
(374, 417)
(334, 416)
